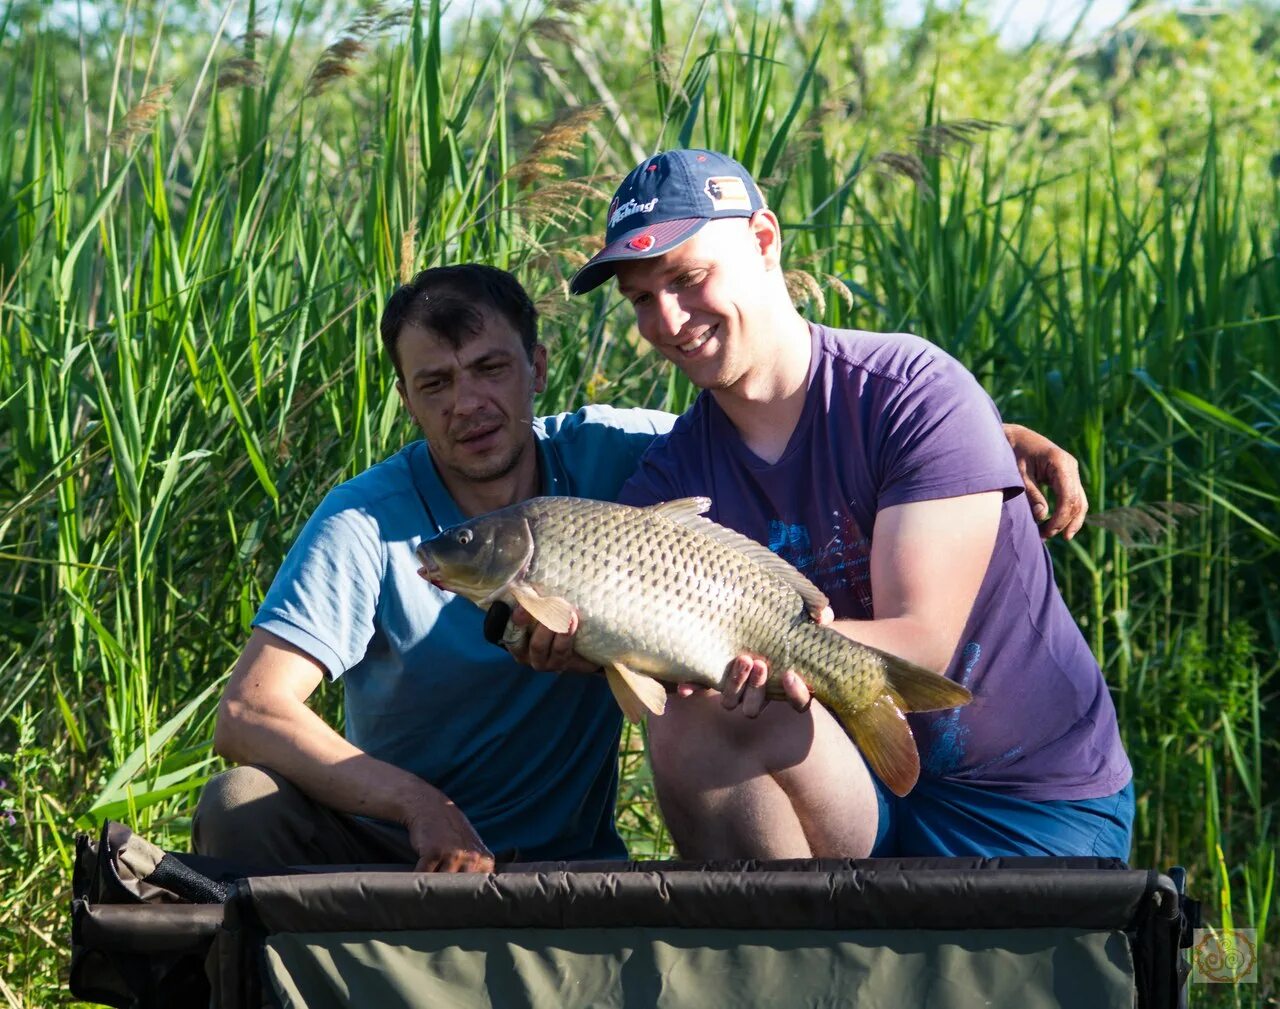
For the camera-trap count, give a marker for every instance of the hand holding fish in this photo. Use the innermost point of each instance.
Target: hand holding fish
(747, 680)
(746, 686)
(546, 650)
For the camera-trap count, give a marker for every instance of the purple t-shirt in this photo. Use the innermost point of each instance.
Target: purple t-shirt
(890, 419)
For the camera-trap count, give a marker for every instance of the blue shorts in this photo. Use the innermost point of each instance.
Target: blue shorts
(944, 818)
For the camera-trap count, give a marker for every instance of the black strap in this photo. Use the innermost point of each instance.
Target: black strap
(495, 622)
(417, 488)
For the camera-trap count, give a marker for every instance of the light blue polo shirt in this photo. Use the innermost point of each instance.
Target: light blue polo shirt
(529, 757)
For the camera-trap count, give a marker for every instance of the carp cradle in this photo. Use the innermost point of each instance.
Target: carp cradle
(944, 932)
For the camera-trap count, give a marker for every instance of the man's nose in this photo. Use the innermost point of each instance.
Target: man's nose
(671, 315)
(467, 397)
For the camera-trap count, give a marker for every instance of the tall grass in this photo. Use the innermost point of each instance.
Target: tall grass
(195, 244)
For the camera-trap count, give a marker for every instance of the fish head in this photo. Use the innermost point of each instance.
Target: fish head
(478, 559)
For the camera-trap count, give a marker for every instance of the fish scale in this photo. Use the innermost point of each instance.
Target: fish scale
(661, 592)
(683, 619)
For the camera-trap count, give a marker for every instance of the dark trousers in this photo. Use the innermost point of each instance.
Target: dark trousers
(254, 815)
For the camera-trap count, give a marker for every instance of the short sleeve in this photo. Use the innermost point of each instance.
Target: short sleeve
(941, 436)
(600, 446)
(324, 598)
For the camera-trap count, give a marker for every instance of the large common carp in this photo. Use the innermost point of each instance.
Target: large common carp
(662, 593)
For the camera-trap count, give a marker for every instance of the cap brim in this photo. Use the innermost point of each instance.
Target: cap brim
(666, 236)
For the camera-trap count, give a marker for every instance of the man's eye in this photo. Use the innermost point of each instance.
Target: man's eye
(640, 299)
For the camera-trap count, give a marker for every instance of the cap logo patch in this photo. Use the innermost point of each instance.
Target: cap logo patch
(630, 207)
(641, 243)
(727, 192)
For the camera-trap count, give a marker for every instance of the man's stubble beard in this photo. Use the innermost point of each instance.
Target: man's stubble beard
(489, 470)
(718, 374)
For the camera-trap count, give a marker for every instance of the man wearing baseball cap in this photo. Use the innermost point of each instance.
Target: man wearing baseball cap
(663, 203)
(877, 465)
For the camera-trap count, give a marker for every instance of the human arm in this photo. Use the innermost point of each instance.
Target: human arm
(263, 718)
(1040, 461)
(928, 560)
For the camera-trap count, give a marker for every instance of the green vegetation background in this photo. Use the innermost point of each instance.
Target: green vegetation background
(201, 215)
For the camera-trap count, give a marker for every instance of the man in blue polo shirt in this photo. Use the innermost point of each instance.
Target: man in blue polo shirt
(453, 752)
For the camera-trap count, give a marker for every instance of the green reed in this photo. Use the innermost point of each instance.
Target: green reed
(195, 242)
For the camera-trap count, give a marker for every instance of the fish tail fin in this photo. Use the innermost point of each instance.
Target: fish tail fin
(920, 689)
(881, 731)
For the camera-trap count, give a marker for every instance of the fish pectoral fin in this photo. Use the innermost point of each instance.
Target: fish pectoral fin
(551, 611)
(886, 741)
(635, 693)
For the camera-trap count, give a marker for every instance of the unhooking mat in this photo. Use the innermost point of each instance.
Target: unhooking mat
(892, 933)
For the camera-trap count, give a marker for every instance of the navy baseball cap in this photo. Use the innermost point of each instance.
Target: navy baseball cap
(666, 201)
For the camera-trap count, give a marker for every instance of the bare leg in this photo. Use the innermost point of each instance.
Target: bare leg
(783, 785)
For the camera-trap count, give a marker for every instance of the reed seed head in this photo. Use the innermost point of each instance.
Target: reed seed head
(139, 119)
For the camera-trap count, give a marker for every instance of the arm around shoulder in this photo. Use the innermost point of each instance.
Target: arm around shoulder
(1040, 461)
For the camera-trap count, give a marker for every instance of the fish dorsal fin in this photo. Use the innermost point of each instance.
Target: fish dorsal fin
(550, 611)
(688, 511)
(635, 693)
(682, 508)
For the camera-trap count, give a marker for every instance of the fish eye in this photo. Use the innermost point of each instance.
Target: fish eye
(463, 536)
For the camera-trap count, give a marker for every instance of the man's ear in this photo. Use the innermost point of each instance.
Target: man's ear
(539, 365)
(768, 236)
(404, 396)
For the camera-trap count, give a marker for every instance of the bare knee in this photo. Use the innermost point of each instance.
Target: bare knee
(782, 785)
(697, 736)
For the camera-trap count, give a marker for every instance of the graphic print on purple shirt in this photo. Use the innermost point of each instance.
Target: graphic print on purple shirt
(889, 420)
(844, 558)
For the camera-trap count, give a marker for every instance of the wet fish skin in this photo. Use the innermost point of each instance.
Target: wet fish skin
(664, 593)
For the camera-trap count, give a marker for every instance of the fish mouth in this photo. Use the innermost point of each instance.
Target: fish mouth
(436, 575)
(430, 569)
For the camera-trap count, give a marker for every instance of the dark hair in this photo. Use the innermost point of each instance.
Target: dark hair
(450, 302)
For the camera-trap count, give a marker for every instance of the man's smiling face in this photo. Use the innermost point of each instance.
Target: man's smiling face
(473, 402)
(695, 303)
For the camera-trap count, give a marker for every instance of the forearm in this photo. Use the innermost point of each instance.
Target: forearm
(293, 740)
(907, 637)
